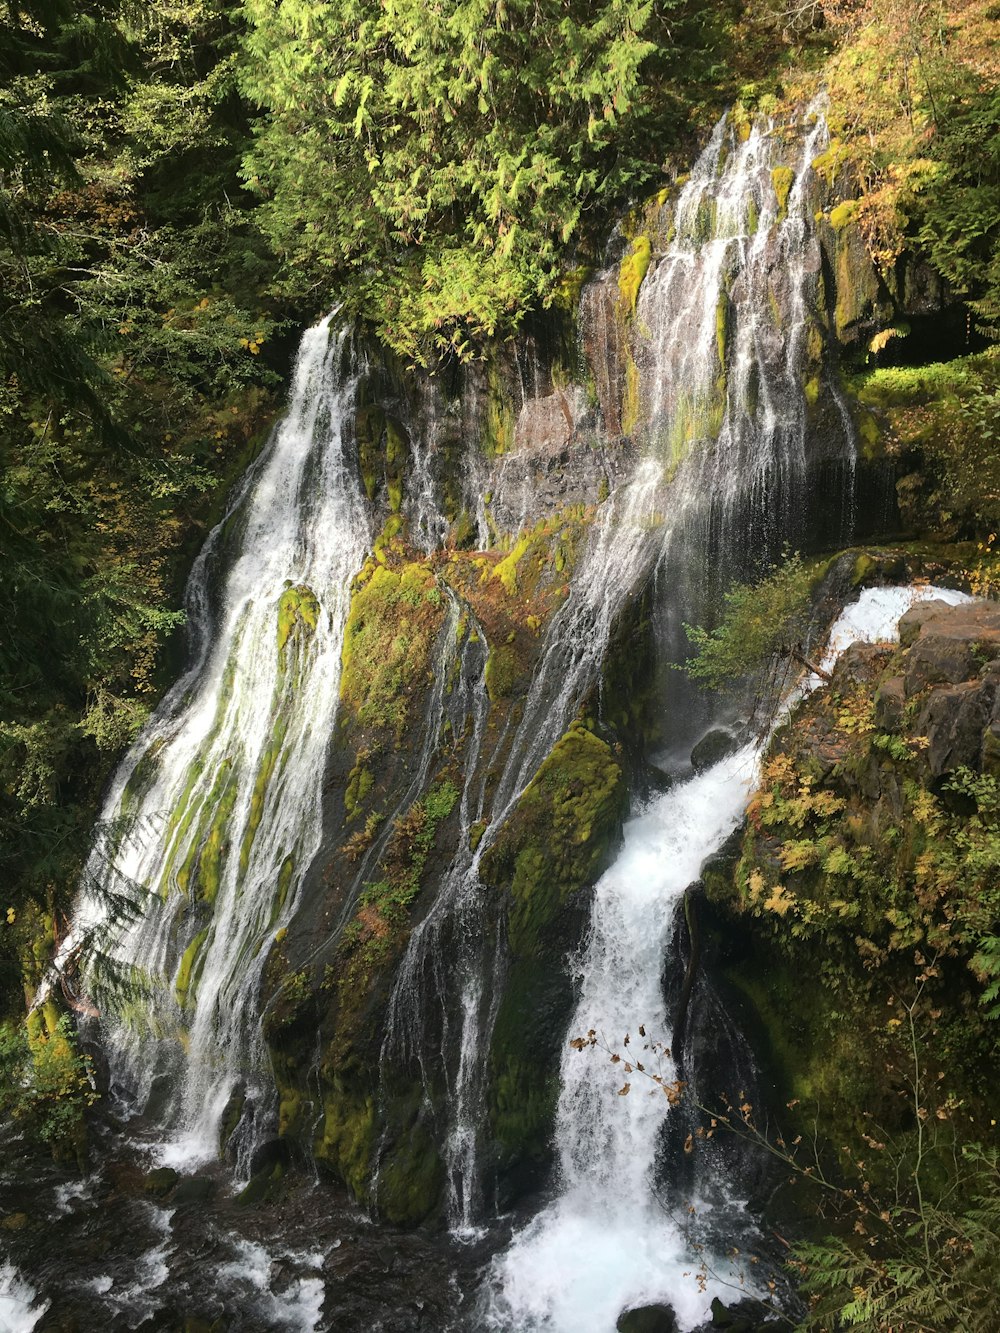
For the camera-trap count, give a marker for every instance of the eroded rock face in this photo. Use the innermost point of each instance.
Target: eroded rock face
(941, 692)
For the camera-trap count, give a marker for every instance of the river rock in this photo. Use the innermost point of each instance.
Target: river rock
(647, 1319)
(712, 747)
(161, 1181)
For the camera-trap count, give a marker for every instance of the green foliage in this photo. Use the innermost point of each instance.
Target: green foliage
(435, 165)
(958, 220)
(943, 421)
(759, 622)
(131, 382)
(45, 1083)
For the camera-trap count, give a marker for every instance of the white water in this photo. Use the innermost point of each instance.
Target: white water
(708, 444)
(606, 1244)
(20, 1309)
(223, 790)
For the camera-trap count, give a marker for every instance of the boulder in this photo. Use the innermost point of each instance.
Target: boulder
(647, 1319)
(161, 1181)
(712, 747)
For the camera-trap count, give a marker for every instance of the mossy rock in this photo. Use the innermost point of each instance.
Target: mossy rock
(394, 620)
(298, 612)
(346, 1140)
(160, 1181)
(634, 268)
(782, 178)
(558, 836)
(556, 842)
(411, 1174)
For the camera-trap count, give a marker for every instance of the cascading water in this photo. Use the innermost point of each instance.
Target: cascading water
(221, 795)
(608, 1242)
(721, 343)
(728, 406)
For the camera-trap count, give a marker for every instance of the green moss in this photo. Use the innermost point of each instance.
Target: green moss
(555, 842)
(501, 672)
(262, 1187)
(811, 389)
(394, 619)
(299, 610)
(630, 395)
(864, 567)
(506, 569)
(908, 386)
(782, 179)
(346, 1140)
(359, 784)
(558, 834)
(524, 1060)
(410, 1178)
(268, 763)
(498, 433)
(186, 983)
(827, 164)
(722, 327)
(844, 214)
(284, 884)
(633, 269)
(868, 433)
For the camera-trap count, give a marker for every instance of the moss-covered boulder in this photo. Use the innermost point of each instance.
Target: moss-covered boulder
(556, 842)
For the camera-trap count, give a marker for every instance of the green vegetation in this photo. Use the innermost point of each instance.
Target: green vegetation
(871, 880)
(45, 1084)
(759, 622)
(941, 423)
(394, 620)
(472, 146)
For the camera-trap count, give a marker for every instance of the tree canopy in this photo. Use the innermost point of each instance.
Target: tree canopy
(437, 161)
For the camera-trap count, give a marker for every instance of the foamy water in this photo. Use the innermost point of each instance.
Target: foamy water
(606, 1243)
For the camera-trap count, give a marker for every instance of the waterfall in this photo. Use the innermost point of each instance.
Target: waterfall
(725, 336)
(220, 797)
(610, 1241)
(20, 1310)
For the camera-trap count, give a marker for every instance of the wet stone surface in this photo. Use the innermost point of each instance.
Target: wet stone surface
(101, 1251)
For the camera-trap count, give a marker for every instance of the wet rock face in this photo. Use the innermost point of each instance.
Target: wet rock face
(951, 674)
(941, 692)
(647, 1319)
(559, 458)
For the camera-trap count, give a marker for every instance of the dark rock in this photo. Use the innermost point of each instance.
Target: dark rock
(193, 1189)
(954, 720)
(735, 1318)
(647, 1319)
(161, 1181)
(712, 747)
(859, 664)
(545, 425)
(270, 1152)
(937, 659)
(889, 700)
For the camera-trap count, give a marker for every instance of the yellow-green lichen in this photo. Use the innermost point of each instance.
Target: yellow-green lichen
(844, 214)
(782, 179)
(633, 269)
